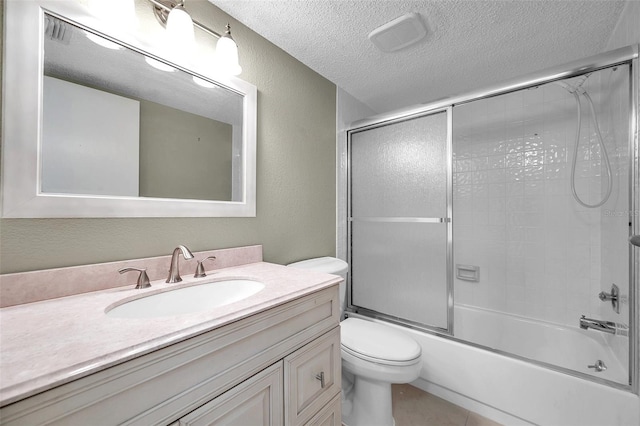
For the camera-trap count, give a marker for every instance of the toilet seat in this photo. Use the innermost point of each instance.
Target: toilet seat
(378, 343)
(381, 361)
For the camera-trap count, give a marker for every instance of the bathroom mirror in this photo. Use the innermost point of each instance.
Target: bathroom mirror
(98, 124)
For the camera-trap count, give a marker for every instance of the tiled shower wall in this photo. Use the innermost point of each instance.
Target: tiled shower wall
(627, 32)
(541, 255)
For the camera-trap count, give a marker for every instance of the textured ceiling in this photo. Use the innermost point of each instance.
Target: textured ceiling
(469, 45)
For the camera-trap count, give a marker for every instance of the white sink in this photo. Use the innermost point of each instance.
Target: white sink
(186, 300)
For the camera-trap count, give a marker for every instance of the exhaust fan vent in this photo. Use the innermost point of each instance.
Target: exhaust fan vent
(401, 32)
(56, 29)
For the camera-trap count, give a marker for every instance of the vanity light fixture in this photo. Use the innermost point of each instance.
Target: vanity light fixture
(227, 53)
(180, 34)
(176, 19)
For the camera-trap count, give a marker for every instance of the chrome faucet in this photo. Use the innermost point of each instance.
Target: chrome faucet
(599, 325)
(174, 271)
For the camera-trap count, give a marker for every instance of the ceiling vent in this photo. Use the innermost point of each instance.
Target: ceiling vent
(55, 29)
(401, 32)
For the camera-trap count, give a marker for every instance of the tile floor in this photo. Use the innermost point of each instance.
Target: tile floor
(414, 407)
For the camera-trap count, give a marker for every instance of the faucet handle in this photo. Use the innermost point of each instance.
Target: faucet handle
(143, 278)
(614, 296)
(200, 268)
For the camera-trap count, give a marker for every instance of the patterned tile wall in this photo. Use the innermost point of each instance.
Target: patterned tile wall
(626, 33)
(539, 251)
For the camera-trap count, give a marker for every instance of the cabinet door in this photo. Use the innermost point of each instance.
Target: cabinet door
(312, 377)
(256, 401)
(331, 414)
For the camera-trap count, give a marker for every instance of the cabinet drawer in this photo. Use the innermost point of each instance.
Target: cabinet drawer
(331, 414)
(312, 377)
(256, 401)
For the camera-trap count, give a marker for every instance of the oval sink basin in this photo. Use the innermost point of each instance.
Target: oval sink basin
(187, 300)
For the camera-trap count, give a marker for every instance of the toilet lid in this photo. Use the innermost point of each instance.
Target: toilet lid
(373, 340)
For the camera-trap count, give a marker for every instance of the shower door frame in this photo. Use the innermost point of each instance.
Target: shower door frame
(623, 56)
(446, 220)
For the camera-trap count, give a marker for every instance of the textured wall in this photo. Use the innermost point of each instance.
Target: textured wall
(205, 149)
(295, 174)
(627, 30)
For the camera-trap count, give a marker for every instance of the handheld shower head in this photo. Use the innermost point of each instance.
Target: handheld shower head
(576, 89)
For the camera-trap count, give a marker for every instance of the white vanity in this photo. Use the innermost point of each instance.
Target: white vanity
(270, 359)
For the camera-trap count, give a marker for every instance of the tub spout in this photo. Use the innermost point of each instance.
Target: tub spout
(600, 325)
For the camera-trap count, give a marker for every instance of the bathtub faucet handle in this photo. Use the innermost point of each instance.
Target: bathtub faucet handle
(614, 297)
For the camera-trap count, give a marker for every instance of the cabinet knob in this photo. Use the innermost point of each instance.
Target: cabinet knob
(320, 376)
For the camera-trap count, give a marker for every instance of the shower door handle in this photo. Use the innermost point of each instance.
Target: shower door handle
(635, 240)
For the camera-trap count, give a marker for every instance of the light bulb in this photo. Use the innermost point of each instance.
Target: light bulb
(227, 54)
(180, 34)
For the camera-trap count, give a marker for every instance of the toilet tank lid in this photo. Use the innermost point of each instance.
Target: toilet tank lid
(329, 265)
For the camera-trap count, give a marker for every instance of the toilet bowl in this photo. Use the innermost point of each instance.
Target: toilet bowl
(377, 356)
(373, 357)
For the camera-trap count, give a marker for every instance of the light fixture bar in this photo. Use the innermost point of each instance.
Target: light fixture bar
(160, 9)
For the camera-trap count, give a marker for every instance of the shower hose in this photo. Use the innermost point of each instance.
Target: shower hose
(603, 150)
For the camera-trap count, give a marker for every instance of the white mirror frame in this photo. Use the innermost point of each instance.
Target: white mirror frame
(22, 119)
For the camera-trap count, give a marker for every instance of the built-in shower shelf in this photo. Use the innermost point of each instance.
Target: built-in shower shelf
(468, 273)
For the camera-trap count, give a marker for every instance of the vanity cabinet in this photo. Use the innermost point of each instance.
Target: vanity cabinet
(257, 401)
(311, 378)
(278, 366)
(306, 383)
(330, 415)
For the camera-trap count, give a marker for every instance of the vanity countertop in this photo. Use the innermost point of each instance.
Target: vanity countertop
(49, 343)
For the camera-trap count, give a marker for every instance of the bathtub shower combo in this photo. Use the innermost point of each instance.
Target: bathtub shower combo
(502, 219)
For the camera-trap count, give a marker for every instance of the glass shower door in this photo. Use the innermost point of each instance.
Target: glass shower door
(399, 220)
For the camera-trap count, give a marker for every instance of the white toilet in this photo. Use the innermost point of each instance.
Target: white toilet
(373, 357)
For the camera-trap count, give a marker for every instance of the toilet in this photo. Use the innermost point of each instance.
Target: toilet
(373, 357)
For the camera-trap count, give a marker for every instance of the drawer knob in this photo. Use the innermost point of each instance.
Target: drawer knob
(320, 376)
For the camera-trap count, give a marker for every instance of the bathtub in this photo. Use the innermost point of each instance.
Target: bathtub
(566, 347)
(515, 392)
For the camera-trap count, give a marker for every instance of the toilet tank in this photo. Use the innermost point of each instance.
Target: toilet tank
(328, 265)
